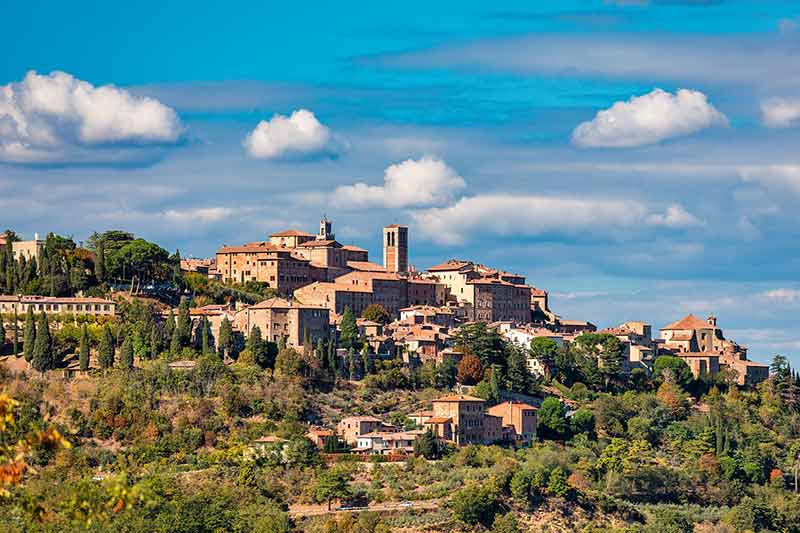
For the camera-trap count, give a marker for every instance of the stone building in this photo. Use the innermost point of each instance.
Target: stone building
(54, 305)
(466, 414)
(284, 319)
(520, 415)
(699, 341)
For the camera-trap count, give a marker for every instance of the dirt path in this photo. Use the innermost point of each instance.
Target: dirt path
(322, 509)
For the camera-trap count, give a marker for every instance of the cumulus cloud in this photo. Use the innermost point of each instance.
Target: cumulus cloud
(648, 119)
(299, 135)
(530, 215)
(422, 182)
(58, 118)
(674, 217)
(780, 112)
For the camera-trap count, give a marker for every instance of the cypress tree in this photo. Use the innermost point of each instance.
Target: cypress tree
(184, 327)
(84, 347)
(366, 361)
(205, 336)
(2, 335)
(169, 326)
(155, 345)
(15, 334)
(100, 262)
(30, 335)
(332, 358)
(225, 338)
(352, 364)
(105, 351)
(42, 359)
(126, 354)
(319, 353)
(175, 345)
(177, 275)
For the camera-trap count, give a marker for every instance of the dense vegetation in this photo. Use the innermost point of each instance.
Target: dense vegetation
(136, 444)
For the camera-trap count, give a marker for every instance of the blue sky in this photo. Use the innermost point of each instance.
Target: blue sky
(530, 137)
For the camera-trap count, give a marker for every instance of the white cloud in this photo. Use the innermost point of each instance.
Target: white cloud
(203, 215)
(778, 177)
(423, 182)
(782, 295)
(780, 112)
(648, 119)
(300, 135)
(58, 118)
(674, 217)
(527, 215)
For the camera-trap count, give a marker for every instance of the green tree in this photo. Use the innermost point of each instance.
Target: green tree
(155, 343)
(582, 421)
(289, 362)
(126, 354)
(332, 484)
(43, 358)
(427, 445)
(557, 483)
(225, 338)
(30, 335)
(100, 262)
(348, 328)
(15, 335)
(446, 372)
(677, 366)
(105, 349)
(518, 375)
(552, 419)
(481, 341)
(184, 327)
(84, 349)
(2, 335)
(506, 523)
(376, 313)
(476, 504)
(169, 326)
(545, 350)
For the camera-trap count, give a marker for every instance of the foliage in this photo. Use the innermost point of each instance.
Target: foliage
(376, 313)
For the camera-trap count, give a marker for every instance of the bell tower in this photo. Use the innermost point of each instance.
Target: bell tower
(325, 230)
(395, 248)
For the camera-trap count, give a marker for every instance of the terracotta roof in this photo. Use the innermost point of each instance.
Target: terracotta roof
(366, 266)
(452, 264)
(248, 248)
(459, 398)
(394, 226)
(689, 322)
(511, 404)
(362, 418)
(438, 420)
(282, 303)
(353, 248)
(291, 233)
(319, 244)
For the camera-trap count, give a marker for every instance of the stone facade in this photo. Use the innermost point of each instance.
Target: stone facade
(283, 319)
(74, 306)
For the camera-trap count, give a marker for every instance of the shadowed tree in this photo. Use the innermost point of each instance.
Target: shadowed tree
(30, 335)
(84, 349)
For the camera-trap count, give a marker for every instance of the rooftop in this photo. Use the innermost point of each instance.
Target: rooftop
(282, 303)
(291, 233)
(689, 322)
(459, 398)
(451, 264)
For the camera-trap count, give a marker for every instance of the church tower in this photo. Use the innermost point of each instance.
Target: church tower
(395, 248)
(325, 230)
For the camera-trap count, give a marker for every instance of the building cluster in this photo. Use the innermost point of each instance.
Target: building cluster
(457, 418)
(318, 278)
(97, 307)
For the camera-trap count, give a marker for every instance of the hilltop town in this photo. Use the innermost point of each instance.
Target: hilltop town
(296, 353)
